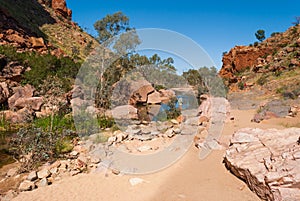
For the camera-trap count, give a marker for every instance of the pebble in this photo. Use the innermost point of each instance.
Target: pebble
(135, 181)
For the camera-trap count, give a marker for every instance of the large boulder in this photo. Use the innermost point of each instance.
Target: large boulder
(141, 95)
(20, 92)
(166, 95)
(154, 98)
(21, 116)
(4, 92)
(124, 112)
(268, 161)
(34, 103)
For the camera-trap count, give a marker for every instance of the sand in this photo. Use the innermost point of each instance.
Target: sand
(190, 179)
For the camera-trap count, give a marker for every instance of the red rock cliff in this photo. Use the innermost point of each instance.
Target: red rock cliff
(240, 58)
(60, 6)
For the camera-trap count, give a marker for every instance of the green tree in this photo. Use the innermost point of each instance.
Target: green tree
(193, 77)
(126, 42)
(260, 35)
(111, 25)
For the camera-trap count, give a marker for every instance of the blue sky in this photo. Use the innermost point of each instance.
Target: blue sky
(216, 26)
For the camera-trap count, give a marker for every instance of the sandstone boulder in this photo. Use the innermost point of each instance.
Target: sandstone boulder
(4, 92)
(154, 98)
(15, 38)
(37, 42)
(34, 103)
(20, 92)
(166, 95)
(21, 116)
(26, 186)
(141, 95)
(124, 112)
(268, 161)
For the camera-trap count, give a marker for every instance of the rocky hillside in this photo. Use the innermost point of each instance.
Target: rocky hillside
(41, 50)
(272, 65)
(43, 26)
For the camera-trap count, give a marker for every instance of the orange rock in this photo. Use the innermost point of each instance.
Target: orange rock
(240, 58)
(180, 119)
(60, 6)
(203, 119)
(37, 42)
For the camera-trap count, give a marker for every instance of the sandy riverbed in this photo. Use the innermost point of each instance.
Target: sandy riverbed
(189, 179)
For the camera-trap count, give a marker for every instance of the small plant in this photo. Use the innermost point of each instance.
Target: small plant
(277, 73)
(280, 90)
(294, 45)
(262, 80)
(105, 122)
(4, 124)
(274, 34)
(255, 44)
(283, 45)
(241, 85)
(288, 95)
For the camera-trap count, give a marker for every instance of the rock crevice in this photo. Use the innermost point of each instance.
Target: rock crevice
(267, 160)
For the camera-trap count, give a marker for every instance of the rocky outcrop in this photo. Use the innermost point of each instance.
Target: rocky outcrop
(275, 55)
(22, 106)
(240, 58)
(268, 161)
(60, 6)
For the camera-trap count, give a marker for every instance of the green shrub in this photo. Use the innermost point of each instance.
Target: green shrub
(158, 87)
(274, 34)
(105, 122)
(33, 146)
(42, 66)
(294, 45)
(54, 123)
(173, 112)
(241, 85)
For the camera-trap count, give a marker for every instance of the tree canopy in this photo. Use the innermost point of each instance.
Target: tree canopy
(260, 35)
(111, 25)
